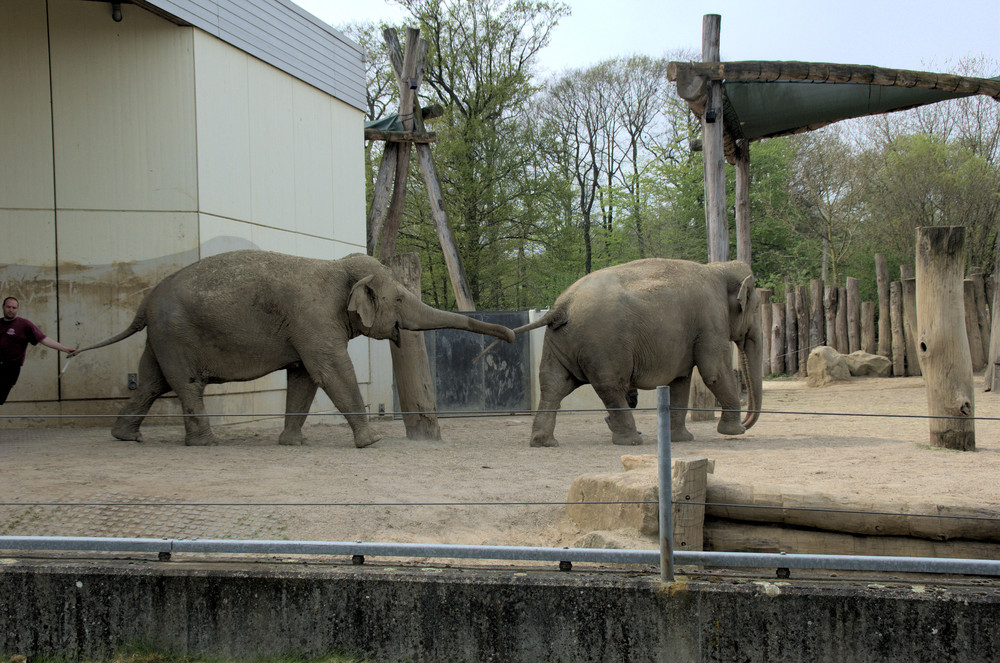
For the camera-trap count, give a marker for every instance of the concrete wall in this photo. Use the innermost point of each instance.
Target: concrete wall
(245, 611)
(130, 149)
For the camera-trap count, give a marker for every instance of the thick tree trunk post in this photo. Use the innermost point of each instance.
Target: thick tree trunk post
(853, 304)
(830, 314)
(713, 155)
(972, 326)
(982, 314)
(802, 322)
(791, 330)
(410, 363)
(991, 379)
(817, 325)
(778, 338)
(910, 322)
(765, 329)
(898, 339)
(868, 327)
(884, 324)
(743, 201)
(942, 343)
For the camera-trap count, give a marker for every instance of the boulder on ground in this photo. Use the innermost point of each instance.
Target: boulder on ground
(863, 364)
(826, 365)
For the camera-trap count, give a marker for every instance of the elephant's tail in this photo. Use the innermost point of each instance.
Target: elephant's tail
(555, 318)
(138, 324)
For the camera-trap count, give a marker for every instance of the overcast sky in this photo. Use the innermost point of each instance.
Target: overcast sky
(902, 34)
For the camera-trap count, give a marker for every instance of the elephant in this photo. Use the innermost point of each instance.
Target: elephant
(238, 316)
(648, 323)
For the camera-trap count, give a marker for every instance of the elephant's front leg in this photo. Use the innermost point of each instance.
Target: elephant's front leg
(718, 376)
(680, 394)
(298, 399)
(335, 373)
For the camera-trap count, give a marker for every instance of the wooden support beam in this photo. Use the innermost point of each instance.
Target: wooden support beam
(380, 197)
(714, 156)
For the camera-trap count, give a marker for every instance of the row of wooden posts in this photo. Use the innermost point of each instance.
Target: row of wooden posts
(819, 314)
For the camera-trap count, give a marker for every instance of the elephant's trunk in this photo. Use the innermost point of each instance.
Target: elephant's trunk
(423, 317)
(751, 357)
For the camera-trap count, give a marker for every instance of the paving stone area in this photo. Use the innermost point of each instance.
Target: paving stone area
(115, 515)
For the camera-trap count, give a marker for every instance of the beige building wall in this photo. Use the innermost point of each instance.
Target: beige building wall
(151, 145)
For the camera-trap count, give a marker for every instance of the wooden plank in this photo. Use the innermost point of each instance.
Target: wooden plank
(401, 136)
(689, 74)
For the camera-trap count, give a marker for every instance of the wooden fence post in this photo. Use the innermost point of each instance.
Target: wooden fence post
(910, 321)
(765, 328)
(896, 320)
(778, 338)
(791, 330)
(942, 342)
(802, 322)
(972, 326)
(853, 304)
(884, 324)
(817, 330)
(830, 304)
(868, 327)
(842, 342)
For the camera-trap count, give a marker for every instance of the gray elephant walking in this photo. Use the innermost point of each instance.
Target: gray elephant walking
(241, 315)
(649, 323)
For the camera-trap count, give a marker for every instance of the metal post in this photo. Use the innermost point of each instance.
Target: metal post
(666, 491)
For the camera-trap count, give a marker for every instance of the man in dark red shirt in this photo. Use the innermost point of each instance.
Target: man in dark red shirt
(15, 334)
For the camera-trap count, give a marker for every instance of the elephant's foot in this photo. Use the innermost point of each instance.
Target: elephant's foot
(292, 439)
(730, 427)
(681, 435)
(539, 440)
(630, 439)
(127, 432)
(366, 438)
(206, 439)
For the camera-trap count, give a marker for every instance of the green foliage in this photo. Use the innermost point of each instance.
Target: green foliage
(547, 179)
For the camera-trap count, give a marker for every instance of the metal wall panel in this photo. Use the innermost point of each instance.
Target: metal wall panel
(283, 35)
(25, 110)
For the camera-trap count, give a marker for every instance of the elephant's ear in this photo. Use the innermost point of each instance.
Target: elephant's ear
(744, 294)
(362, 301)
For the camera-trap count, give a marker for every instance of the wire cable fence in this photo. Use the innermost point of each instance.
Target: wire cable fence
(166, 546)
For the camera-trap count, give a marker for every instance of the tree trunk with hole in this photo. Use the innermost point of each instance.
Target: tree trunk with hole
(942, 342)
(411, 364)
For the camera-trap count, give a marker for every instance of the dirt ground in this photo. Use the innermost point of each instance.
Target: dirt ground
(480, 484)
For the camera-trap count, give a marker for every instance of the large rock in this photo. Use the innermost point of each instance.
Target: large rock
(864, 364)
(826, 365)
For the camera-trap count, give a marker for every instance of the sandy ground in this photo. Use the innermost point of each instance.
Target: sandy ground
(480, 484)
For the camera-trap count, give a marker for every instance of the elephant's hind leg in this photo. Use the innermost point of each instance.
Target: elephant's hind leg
(554, 383)
(151, 386)
(298, 399)
(620, 419)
